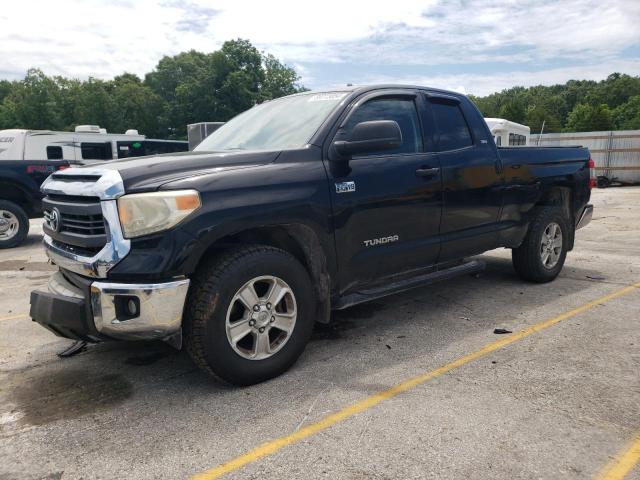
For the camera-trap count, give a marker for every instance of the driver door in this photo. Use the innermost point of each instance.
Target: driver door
(386, 212)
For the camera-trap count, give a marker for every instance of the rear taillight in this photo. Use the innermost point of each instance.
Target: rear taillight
(63, 167)
(593, 182)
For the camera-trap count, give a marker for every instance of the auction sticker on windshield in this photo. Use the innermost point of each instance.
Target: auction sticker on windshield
(323, 97)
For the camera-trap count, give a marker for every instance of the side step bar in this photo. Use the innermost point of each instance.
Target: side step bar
(355, 298)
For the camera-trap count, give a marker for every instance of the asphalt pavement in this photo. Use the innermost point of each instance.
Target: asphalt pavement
(416, 385)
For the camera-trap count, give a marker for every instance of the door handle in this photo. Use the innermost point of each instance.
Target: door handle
(521, 188)
(427, 172)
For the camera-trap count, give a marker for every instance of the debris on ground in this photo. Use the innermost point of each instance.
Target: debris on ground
(501, 331)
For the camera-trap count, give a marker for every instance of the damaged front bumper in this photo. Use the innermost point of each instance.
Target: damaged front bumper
(85, 309)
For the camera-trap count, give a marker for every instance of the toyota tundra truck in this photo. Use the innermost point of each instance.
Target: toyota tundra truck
(299, 206)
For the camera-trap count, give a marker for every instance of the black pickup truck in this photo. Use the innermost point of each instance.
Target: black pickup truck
(299, 206)
(20, 196)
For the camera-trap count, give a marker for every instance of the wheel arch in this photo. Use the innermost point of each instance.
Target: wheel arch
(299, 240)
(14, 192)
(560, 197)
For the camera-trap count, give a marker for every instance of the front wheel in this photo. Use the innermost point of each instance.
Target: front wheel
(541, 256)
(14, 224)
(249, 315)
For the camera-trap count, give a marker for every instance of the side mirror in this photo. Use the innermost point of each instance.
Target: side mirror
(370, 137)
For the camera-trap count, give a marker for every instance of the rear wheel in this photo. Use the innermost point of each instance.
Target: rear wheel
(14, 224)
(250, 315)
(541, 256)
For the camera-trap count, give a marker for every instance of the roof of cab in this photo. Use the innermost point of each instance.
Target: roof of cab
(382, 86)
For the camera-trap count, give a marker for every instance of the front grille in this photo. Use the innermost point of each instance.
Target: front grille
(80, 225)
(55, 197)
(85, 224)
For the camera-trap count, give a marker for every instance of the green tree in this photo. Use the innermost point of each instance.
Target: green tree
(6, 87)
(34, 103)
(536, 116)
(627, 115)
(216, 86)
(614, 91)
(6, 117)
(588, 118)
(174, 71)
(279, 79)
(555, 103)
(136, 106)
(513, 109)
(92, 103)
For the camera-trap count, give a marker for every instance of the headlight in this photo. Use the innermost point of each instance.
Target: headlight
(145, 213)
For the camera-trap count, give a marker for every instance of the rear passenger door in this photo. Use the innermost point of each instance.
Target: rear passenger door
(386, 215)
(471, 180)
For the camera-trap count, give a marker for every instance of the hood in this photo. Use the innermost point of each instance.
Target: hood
(149, 173)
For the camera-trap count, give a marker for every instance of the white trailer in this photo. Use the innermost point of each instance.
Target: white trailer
(507, 133)
(87, 143)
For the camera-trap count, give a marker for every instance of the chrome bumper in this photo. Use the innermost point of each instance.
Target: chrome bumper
(159, 307)
(585, 218)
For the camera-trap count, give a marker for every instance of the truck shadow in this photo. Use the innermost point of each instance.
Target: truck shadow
(360, 341)
(33, 239)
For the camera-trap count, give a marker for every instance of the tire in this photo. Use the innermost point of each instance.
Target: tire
(14, 224)
(213, 306)
(529, 258)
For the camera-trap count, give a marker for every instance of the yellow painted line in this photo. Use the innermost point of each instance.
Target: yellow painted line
(273, 446)
(622, 465)
(14, 317)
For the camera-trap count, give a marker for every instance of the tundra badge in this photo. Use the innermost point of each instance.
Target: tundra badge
(345, 187)
(380, 241)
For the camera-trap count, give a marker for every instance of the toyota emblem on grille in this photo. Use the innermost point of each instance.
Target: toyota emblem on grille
(53, 220)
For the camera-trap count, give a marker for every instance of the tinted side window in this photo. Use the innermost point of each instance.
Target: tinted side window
(54, 153)
(452, 127)
(403, 111)
(96, 151)
(154, 148)
(130, 149)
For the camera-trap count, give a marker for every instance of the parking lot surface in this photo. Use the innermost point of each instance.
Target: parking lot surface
(561, 400)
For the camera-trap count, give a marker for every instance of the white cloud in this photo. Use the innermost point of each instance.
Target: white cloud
(105, 38)
(483, 84)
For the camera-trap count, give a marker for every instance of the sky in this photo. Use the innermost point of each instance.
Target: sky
(472, 46)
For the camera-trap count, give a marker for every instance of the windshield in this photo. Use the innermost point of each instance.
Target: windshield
(287, 122)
